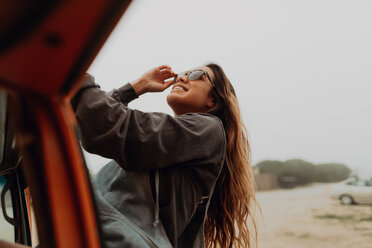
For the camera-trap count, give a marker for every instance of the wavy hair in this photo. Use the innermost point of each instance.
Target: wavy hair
(233, 203)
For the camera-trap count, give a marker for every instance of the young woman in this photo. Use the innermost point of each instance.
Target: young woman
(168, 171)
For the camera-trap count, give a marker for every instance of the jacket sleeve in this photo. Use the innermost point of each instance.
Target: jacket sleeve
(144, 141)
(124, 94)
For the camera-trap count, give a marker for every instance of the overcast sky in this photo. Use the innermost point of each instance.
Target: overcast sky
(301, 69)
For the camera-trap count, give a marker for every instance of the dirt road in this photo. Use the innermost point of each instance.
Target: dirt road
(307, 218)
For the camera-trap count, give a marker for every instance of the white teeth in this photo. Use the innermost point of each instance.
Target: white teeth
(178, 88)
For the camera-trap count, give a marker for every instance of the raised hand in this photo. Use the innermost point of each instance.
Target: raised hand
(154, 80)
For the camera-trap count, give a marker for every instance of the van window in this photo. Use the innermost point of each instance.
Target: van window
(6, 211)
(2, 123)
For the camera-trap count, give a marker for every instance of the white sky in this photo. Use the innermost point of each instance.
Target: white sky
(301, 69)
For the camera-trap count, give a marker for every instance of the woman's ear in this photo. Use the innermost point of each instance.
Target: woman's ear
(211, 102)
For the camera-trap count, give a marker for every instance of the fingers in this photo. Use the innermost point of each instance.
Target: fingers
(167, 84)
(166, 68)
(169, 74)
(163, 67)
(166, 72)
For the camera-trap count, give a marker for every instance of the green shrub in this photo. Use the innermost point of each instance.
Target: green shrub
(331, 172)
(303, 172)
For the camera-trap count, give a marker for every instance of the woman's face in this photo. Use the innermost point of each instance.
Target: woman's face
(191, 96)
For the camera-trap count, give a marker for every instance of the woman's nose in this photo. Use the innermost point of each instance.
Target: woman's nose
(181, 78)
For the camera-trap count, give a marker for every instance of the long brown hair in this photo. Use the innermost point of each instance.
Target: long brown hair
(233, 202)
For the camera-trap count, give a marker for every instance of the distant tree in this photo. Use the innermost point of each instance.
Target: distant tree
(331, 172)
(297, 171)
(300, 169)
(270, 166)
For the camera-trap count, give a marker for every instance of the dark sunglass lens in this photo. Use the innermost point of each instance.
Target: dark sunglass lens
(195, 75)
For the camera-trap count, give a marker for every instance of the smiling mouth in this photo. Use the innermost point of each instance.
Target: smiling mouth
(179, 88)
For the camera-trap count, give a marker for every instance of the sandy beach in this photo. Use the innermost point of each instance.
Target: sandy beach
(307, 217)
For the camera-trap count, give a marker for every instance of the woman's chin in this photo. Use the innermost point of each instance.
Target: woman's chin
(174, 96)
(172, 99)
(175, 101)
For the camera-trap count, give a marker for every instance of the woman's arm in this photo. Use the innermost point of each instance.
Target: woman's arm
(143, 141)
(124, 94)
(151, 81)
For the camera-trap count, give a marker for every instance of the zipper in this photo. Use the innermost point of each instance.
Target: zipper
(156, 214)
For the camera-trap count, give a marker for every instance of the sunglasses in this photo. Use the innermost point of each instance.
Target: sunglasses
(194, 75)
